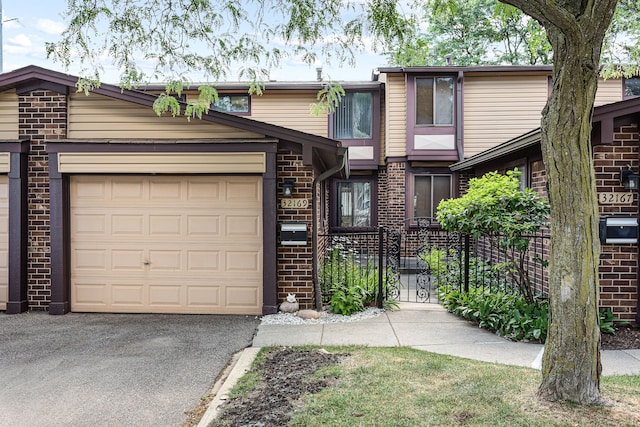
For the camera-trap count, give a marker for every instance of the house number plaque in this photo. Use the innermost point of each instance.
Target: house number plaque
(294, 203)
(615, 198)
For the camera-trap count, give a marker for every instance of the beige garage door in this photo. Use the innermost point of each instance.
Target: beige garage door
(4, 241)
(166, 244)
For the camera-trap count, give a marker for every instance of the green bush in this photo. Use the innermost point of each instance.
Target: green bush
(350, 285)
(508, 314)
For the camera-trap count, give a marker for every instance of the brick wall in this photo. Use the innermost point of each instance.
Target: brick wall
(618, 262)
(394, 214)
(295, 273)
(42, 118)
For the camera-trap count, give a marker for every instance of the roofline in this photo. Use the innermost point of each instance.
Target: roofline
(274, 85)
(467, 69)
(23, 76)
(601, 114)
(526, 140)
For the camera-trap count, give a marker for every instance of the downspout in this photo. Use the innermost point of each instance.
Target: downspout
(343, 165)
(459, 105)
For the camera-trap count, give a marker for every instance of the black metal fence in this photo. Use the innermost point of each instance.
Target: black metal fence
(409, 263)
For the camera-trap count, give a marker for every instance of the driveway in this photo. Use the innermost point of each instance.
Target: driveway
(112, 369)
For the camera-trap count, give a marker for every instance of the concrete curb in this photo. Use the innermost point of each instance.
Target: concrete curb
(226, 382)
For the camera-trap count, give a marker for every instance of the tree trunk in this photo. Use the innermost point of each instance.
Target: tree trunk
(571, 363)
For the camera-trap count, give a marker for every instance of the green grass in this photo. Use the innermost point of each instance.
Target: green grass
(406, 387)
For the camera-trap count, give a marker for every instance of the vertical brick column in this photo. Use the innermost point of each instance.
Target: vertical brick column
(295, 270)
(396, 196)
(42, 118)
(618, 262)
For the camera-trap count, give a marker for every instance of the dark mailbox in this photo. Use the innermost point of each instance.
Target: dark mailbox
(293, 233)
(619, 229)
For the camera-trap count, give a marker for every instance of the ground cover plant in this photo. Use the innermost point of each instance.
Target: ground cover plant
(407, 387)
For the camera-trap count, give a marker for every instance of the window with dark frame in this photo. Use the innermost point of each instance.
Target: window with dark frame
(354, 116)
(632, 87)
(232, 104)
(434, 101)
(428, 191)
(354, 204)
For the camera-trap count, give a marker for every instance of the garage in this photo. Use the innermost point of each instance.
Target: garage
(166, 243)
(4, 241)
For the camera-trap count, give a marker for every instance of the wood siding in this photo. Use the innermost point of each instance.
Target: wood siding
(396, 115)
(97, 116)
(289, 109)
(608, 91)
(499, 108)
(8, 115)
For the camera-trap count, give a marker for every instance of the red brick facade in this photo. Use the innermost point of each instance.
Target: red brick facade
(42, 118)
(295, 273)
(618, 262)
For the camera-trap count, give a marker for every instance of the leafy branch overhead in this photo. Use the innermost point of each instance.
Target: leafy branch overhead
(169, 41)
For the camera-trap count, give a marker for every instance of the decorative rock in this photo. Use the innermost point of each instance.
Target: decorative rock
(308, 314)
(290, 305)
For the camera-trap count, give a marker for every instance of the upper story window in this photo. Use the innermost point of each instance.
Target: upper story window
(632, 87)
(237, 104)
(434, 101)
(354, 116)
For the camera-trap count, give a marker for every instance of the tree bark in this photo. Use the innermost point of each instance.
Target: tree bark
(571, 363)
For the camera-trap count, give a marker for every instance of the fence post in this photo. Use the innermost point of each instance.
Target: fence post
(467, 244)
(380, 265)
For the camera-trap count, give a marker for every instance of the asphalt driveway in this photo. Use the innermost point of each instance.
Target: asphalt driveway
(112, 369)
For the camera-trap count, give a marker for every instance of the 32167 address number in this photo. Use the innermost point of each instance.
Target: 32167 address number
(615, 198)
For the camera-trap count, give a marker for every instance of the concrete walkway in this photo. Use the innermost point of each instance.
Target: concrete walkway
(428, 327)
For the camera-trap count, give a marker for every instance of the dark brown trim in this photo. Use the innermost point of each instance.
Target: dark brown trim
(334, 203)
(114, 146)
(60, 242)
(18, 231)
(33, 85)
(269, 238)
(474, 69)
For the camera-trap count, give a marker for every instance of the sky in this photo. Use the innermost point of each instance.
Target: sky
(28, 24)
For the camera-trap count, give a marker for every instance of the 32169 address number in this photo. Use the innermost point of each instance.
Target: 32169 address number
(294, 203)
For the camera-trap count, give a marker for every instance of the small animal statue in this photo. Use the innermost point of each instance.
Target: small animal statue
(290, 305)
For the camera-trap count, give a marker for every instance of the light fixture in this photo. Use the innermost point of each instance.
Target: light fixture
(629, 180)
(287, 187)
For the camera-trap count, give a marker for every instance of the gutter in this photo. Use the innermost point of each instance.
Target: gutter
(343, 154)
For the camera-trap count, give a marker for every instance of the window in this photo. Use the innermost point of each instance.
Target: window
(632, 87)
(354, 115)
(434, 101)
(354, 204)
(428, 191)
(232, 104)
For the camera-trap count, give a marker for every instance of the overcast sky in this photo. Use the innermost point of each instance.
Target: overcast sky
(28, 24)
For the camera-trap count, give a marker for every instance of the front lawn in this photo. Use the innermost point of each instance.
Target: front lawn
(406, 387)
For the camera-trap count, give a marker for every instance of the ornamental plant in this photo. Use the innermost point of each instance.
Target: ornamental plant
(495, 207)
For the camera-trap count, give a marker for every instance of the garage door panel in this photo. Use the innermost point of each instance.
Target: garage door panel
(127, 260)
(89, 224)
(166, 295)
(242, 261)
(203, 225)
(242, 297)
(204, 261)
(129, 225)
(126, 190)
(243, 226)
(127, 295)
(165, 261)
(181, 248)
(90, 259)
(94, 294)
(203, 296)
(165, 224)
